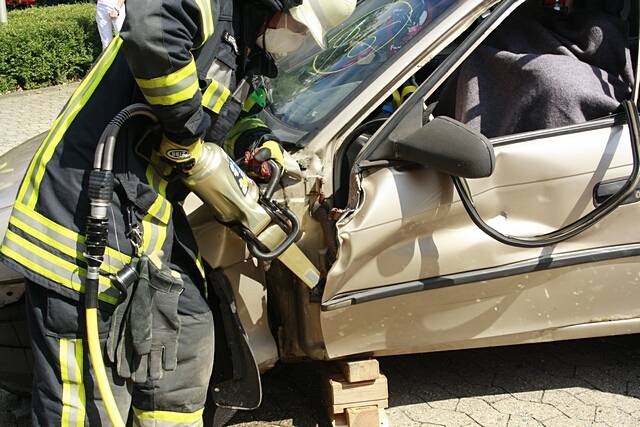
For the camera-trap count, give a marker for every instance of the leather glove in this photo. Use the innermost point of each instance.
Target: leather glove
(182, 157)
(255, 161)
(119, 340)
(145, 331)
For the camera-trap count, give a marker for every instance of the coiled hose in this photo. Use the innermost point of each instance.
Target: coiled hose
(101, 183)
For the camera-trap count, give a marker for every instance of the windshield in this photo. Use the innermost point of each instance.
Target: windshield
(311, 83)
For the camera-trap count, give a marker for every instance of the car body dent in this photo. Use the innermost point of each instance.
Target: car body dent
(410, 226)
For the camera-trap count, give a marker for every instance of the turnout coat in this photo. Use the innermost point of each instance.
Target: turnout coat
(186, 59)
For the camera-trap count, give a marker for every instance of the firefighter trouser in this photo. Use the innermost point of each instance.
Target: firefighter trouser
(64, 390)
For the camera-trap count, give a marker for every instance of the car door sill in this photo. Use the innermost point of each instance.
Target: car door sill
(522, 267)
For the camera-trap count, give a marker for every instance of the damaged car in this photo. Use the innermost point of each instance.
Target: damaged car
(465, 174)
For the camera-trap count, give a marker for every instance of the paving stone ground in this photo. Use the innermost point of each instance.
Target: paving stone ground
(575, 383)
(28, 113)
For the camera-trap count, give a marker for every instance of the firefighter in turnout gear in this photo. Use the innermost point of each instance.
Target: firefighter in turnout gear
(195, 62)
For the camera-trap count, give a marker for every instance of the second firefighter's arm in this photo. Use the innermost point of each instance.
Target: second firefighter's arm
(158, 36)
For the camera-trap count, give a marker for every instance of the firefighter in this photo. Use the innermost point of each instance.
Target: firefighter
(195, 62)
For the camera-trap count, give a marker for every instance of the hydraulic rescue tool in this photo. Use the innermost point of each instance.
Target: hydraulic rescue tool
(269, 229)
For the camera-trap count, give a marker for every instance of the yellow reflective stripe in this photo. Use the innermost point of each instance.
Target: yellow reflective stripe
(61, 124)
(73, 392)
(200, 266)
(172, 88)
(156, 181)
(79, 375)
(170, 79)
(72, 252)
(175, 98)
(221, 101)
(215, 96)
(208, 94)
(238, 129)
(74, 97)
(46, 221)
(110, 253)
(53, 268)
(246, 124)
(66, 386)
(175, 417)
(206, 19)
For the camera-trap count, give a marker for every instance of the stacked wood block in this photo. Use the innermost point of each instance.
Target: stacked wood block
(357, 394)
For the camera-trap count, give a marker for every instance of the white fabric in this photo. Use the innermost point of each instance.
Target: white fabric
(319, 16)
(281, 41)
(106, 25)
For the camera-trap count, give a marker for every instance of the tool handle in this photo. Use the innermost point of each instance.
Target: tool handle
(254, 246)
(276, 175)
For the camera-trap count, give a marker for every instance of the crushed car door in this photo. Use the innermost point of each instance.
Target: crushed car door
(414, 273)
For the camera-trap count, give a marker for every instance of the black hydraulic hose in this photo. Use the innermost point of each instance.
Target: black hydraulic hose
(101, 184)
(581, 224)
(103, 158)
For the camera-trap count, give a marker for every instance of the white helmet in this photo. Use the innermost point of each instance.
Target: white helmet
(319, 16)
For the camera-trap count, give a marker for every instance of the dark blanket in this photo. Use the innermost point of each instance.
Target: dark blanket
(542, 69)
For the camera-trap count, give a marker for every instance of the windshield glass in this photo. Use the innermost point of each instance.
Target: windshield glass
(311, 83)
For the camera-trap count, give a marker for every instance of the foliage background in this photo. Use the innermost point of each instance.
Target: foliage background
(43, 46)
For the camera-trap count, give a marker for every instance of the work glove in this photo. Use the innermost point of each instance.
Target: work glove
(145, 327)
(256, 160)
(181, 157)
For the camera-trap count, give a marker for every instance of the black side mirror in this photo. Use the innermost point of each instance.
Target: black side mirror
(450, 147)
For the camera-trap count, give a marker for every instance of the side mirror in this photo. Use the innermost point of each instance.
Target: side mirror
(450, 147)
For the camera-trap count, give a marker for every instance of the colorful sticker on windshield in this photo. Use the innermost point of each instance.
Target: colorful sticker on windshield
(359, 42)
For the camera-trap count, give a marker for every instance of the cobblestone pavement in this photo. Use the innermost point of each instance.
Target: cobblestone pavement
(28, 113)
(575, 383)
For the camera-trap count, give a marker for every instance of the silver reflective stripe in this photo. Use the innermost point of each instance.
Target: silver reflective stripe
(150, 235)
(46, 230)
(73, 391)
(64, 244)
(52, 267)
(171, 89)
(154, 225)
(166, 418)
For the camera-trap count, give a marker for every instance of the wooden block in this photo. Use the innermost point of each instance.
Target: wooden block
(340, 408)
(341, 391)
(365, 416)
(360, 370)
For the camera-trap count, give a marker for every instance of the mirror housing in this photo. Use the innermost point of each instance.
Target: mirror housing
(450, 147)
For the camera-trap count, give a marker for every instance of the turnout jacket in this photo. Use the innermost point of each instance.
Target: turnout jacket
(183, 57)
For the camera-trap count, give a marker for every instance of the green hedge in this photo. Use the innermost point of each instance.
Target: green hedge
(43, 46)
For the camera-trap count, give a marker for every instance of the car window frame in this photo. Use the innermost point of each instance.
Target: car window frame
(439, 76)
(448, 67)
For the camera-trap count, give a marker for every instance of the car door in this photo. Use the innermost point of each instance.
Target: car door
(414, 273)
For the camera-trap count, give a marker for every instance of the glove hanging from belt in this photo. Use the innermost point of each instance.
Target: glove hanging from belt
(143, 336)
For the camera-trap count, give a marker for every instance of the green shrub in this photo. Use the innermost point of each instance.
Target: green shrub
(42, 46)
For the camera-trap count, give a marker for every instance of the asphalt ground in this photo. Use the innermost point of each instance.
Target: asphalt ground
(592, 382)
